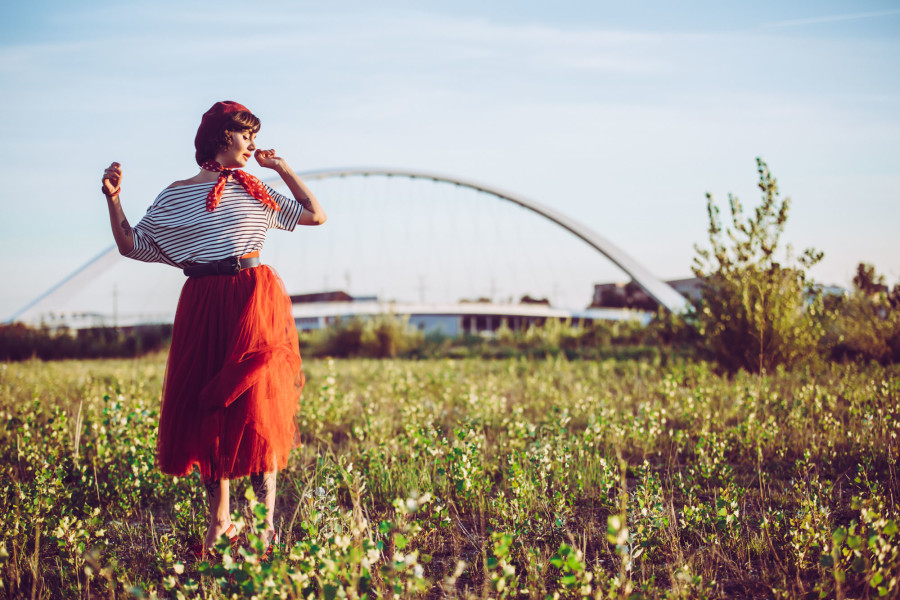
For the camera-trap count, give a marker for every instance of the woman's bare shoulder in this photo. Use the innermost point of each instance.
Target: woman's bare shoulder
(196, 179)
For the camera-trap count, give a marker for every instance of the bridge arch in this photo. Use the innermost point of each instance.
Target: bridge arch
(657, 289)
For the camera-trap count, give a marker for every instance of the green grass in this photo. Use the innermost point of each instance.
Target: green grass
(498, 478)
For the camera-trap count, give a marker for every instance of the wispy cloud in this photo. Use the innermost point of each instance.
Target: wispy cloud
(833, 18)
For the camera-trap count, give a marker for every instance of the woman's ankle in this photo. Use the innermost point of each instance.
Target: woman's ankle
(218, 527)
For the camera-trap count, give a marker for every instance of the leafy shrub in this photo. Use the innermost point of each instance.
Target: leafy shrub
(381, 336)
(756, 312)
(865, 324)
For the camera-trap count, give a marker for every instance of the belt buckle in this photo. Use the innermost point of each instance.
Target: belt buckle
(235, 264)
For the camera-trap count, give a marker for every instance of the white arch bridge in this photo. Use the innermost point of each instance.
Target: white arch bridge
(661, 292)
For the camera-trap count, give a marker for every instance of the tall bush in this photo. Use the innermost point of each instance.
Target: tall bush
(378, 336)
(758, 309)
(865, 323)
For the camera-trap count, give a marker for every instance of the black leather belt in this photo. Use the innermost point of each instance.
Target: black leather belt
(226, 266)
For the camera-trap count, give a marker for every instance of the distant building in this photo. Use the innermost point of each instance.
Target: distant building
(630, 295)
(609, 294)
(526, 299)
(690, 288)
(450, 319)
(321, 297)
(831, 290)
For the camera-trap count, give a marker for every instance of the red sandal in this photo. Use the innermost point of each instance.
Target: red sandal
(268, 553)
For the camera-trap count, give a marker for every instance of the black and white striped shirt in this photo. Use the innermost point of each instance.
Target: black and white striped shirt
(178, 229)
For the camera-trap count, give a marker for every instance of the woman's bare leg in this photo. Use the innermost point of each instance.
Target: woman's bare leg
(218, 494)
(264, 488)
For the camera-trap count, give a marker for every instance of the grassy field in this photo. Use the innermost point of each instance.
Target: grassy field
(471, 478)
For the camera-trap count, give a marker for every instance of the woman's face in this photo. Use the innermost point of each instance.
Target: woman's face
(243, 143)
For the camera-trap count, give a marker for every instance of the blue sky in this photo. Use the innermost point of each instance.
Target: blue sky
(621, 115)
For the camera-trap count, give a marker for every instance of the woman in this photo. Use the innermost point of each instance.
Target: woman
(233, 375)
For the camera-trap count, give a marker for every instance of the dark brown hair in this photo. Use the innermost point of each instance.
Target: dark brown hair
(220, 139)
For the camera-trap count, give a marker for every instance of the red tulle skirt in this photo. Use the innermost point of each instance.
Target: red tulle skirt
(233, 378)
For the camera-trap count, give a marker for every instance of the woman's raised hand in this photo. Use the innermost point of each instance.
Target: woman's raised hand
(267, 158)
(112, 180)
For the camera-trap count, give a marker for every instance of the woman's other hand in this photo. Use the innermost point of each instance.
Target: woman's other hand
(267, 159)
(312, 213)
(112, 180)
(112, 183)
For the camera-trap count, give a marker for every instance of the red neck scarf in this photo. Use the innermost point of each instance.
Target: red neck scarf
(250, 183)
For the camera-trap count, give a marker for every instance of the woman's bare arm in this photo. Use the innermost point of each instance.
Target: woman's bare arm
(312, 214)
(112, 183)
